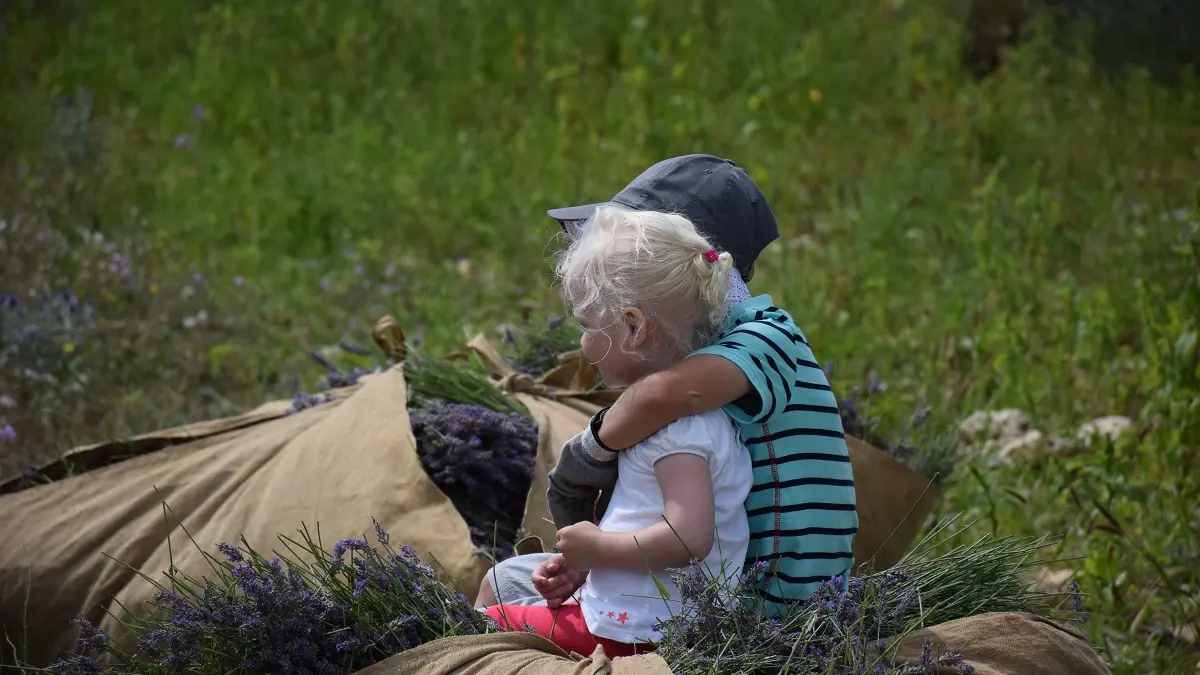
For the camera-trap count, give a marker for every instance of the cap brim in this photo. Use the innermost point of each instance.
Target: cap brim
(575, 212)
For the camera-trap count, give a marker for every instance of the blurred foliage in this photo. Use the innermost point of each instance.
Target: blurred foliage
(235, 184)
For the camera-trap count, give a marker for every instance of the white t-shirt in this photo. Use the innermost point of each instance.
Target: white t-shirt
(624, 605)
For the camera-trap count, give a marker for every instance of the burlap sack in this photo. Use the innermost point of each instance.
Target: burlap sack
(995, 644)
(893, 500)
(893, 503)
(510, 654)
(1007, 643)
(260, 475)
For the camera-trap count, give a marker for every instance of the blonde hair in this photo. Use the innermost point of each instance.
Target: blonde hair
(657, 262)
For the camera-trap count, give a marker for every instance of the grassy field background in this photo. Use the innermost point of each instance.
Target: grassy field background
(231, 185)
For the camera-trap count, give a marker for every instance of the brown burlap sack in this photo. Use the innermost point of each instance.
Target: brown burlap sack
(510, 654)
(335, 466)
(260, 475)
(1007, 643)
(893, 504)
(893, 500)
(995, 644)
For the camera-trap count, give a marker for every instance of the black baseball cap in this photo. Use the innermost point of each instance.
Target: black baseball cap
(715, 194)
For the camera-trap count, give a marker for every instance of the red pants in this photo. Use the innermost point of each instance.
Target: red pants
(564, 626)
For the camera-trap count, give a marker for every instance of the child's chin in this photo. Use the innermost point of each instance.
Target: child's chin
(613, 382)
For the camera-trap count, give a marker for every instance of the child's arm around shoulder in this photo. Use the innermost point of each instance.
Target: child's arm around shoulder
(696, 385)
(754, 364)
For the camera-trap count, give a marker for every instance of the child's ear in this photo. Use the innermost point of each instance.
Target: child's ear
(637, 327)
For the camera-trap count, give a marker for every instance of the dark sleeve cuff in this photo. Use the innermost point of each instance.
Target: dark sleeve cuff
(597, 420)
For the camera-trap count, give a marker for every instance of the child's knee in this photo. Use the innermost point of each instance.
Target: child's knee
(486, 596)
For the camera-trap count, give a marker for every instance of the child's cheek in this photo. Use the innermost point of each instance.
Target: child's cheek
(587, 344)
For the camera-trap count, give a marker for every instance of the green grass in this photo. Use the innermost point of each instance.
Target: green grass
(1026, 241)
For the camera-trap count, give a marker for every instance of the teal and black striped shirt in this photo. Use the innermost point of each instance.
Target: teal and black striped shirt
(801, 507)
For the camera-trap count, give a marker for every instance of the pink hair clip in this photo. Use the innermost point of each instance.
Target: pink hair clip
(711, 255)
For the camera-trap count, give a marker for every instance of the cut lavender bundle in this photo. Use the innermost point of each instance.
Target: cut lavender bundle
(536, 347)
(429, 380)
(336, 613)
(851, 627)
(432, 379)
(483, 461)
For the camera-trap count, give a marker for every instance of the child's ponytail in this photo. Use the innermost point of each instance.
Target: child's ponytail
(714, 270)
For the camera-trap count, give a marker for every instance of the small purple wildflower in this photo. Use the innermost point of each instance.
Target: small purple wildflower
(927, 663)
(304, 401)
(1077, 605)
(90, 640)
(381, 535)
(354, 348)
(876, 384)
(921, 416)
(345, 546)
(8, 434)
(232, 553)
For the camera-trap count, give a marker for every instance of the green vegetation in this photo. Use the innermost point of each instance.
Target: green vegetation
(268, 179)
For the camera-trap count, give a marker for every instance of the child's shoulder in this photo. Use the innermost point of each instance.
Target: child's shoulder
(761, 316)
(708, 429)
(759, 308)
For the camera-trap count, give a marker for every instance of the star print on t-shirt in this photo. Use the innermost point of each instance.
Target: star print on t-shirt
(611, 614)
(623, 618)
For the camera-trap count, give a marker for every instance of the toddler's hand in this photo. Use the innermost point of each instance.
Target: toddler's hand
(579, 545)
(555, 582)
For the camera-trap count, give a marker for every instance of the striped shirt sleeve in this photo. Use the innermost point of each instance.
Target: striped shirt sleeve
(771, 353)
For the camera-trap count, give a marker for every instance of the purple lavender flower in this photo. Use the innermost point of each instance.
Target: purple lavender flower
(381, 535)
(927, 663)
(1077, 602)
(8, 434)
(876, 384)
(304, 401)
(232, 553)
(345, 546)
(91, 640)
(267, 616)
(483, 461)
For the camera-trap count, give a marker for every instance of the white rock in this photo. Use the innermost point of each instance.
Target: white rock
(987, 425)
(1024, 447)
(1103, 429)
(1061, 446)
